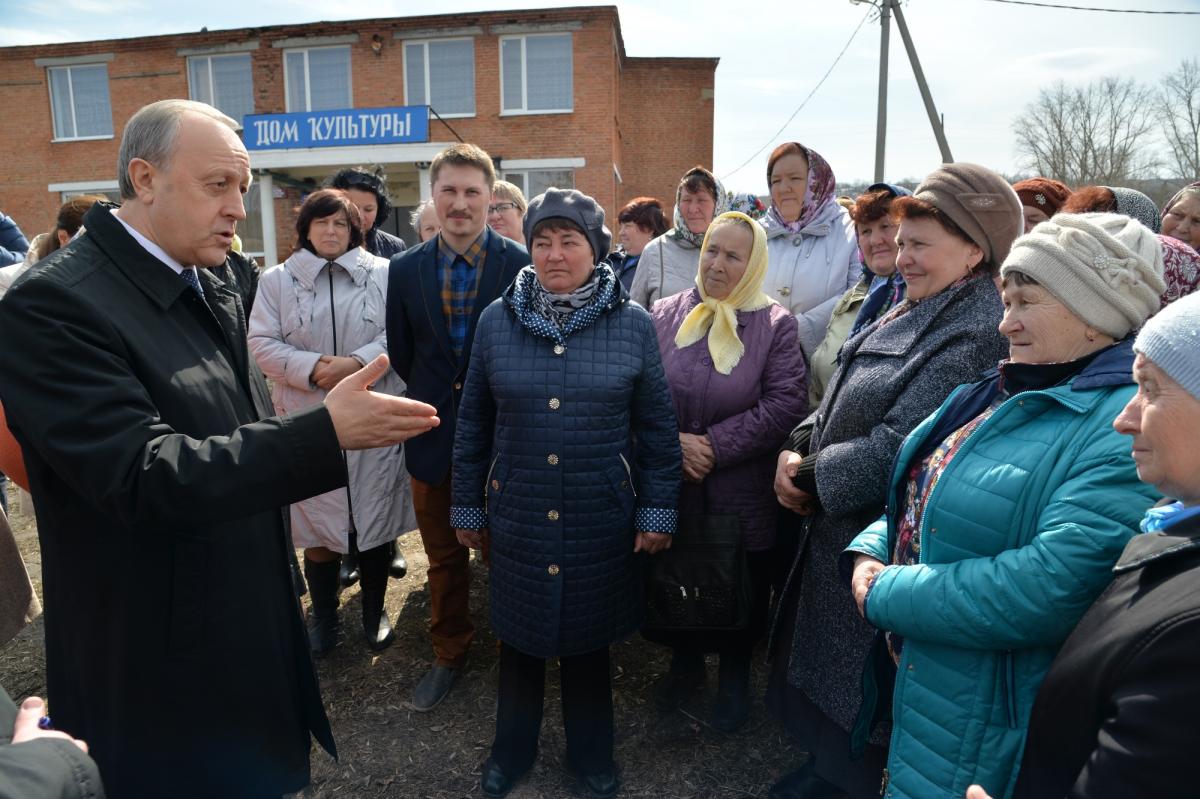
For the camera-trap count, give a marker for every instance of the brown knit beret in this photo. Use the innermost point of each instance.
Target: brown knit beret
(980, 202)
(1045, 194)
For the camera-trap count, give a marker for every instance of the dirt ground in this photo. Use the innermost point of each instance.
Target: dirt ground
(389, 750)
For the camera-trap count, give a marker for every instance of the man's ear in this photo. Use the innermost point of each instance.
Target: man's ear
(143, 175)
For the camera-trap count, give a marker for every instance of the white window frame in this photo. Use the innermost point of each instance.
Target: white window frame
(71, 90)
(524, 109)
(212, 89)
(287, 94)
(425, 58)
(523, 167)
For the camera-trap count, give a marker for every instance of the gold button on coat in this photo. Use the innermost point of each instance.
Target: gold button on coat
(552, 515)
(552, 459)
(553, 569)
(559, 349)
(458, 386)
(554, 403)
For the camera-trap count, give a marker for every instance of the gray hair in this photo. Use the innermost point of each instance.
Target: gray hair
(415, 217)
(151, 135)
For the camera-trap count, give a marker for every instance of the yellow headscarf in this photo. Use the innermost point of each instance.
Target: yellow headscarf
(718, 318)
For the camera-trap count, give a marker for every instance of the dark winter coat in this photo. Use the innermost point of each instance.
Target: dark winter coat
(13, 244)
(239, 273)
(1117, 714)
(544, 435)
(419, 341)
(47, 768)
(383, 244)
(174, 641)
(746, 414)
(891, 378)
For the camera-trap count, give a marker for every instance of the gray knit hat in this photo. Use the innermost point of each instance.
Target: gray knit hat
(1172, 341)
(1106, 268)
(575, 207)
(980, 202)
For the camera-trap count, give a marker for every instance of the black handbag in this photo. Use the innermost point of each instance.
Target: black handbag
(702, 583)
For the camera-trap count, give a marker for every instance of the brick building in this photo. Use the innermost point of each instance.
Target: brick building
(551, 94)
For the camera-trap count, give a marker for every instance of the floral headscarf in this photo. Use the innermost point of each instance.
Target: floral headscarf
(820, 191)
(1181, 269)
(1179, 196)
(680, 231)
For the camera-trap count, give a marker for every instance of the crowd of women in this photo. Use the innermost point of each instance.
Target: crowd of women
(917, 406)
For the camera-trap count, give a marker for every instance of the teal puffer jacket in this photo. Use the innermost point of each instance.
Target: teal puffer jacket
(1018, 538)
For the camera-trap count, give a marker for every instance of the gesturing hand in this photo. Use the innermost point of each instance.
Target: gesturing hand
(364, 419)
(698, 456)
(651, 542)
(26, 727)
(866, 568)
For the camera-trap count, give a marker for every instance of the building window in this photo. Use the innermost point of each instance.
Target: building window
(318, 79)
(441, 74)
(536, 74)
(533, 182)
(250, 229)
(224, 82)
(79, 99)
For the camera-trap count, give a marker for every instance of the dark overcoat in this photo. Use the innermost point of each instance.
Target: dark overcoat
(890, 379)
(174, 641)
(545, 428)
(419, 341)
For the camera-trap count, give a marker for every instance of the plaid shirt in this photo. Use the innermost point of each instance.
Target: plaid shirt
(460, 286)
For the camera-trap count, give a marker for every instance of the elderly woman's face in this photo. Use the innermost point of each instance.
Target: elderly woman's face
(877, 241)
(330, 235)
(697, 209)
(1040, 329)
(634, 237)
(789, 184)
(1163, 419)
(1032, 216)
(562, 258)
(725, 259)
(504, 217)
(1183, 221)
(931, 258)
(427, 224)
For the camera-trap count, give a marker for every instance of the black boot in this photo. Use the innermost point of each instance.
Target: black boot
(322, 617)
(297, 577)
(348, 573)
(373, 566)
(733, 692)
(675, 687)
(399, 566)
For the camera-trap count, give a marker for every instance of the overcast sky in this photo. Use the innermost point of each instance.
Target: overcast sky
(984, 61)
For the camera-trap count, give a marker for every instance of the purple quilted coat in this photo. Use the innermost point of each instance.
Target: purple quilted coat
(746, 414)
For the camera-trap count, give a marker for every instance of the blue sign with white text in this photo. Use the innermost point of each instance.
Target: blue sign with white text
(346, 128)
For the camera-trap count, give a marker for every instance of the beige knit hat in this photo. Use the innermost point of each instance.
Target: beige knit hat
(980, 202)
(1106, 268)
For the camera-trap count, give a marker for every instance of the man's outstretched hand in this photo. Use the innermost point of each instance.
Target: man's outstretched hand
(364, 419)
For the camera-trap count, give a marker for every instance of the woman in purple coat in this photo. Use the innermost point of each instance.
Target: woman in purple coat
(737, 378)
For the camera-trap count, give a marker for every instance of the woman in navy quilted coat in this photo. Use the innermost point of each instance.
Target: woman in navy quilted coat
(564, 375)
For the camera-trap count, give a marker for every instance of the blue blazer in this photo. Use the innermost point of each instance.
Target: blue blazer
(419, 341)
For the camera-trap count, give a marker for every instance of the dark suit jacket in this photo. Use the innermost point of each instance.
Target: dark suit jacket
(174, 642)
(419, 341)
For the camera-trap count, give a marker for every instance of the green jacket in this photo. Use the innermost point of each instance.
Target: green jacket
(1018, 538)
(47, 768)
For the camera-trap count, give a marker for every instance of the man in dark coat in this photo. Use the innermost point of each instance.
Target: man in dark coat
(435, 295)
(174, 643)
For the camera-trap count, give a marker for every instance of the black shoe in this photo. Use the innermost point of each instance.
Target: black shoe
(733, 694)
(494, 782)
(675, 687)
(599, 786)
(322, 616)
(298, 577)
(348, 572)
(399, 566)
(803, 783)
(433, 687)
(373, 567)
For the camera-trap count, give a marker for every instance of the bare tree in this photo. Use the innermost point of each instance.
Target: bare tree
(1102, 132)
(1180, 113)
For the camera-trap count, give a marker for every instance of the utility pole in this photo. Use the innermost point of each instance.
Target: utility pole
(885, 26)
(934, 120)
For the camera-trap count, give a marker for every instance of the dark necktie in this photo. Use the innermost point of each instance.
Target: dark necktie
(189, 276)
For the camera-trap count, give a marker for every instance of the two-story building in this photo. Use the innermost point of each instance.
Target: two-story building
(550, 94)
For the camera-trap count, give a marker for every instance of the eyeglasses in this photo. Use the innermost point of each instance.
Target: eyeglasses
(500, 208)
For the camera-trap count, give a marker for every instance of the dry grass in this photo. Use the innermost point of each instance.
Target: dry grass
(389, 750)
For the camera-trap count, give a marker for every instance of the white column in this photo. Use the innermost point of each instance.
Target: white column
(266, 200)
(423, 183)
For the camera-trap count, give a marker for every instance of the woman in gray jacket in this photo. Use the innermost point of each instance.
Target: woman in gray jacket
(319, 316)
(834, 471)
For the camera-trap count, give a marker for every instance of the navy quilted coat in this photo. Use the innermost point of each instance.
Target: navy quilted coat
(541, 457)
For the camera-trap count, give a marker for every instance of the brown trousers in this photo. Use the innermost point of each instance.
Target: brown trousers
(449, 574)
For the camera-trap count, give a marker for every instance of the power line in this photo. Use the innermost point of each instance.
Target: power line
(803, 103)
(1090, 8)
